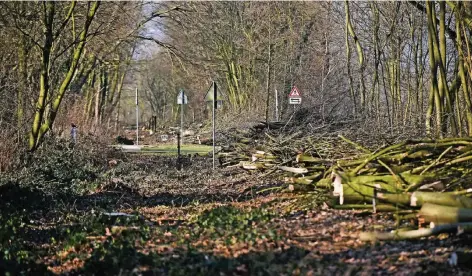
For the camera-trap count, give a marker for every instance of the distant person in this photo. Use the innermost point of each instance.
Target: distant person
(73, 133)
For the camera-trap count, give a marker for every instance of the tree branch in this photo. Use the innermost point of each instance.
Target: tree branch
(66, 19)
(169, 47)
(452, 34)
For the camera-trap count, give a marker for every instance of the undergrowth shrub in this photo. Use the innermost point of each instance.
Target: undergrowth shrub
(16, 258)
(60, 167)
(8, 149)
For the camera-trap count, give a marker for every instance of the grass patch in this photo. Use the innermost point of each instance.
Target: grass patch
(171, 149)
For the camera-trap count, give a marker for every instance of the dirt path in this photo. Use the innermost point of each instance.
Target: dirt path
(146, 218)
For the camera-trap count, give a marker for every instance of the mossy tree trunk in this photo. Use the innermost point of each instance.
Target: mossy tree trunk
(43, 122)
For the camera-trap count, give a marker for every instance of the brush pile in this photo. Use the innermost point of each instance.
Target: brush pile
(428, 180)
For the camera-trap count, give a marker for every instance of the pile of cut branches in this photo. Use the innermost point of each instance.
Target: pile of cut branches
(426, 175)
(264, 149)
(425, 179)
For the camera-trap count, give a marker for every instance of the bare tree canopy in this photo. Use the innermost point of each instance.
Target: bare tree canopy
(396, 65)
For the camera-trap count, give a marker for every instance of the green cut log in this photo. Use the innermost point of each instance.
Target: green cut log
(410, 179)
(440, 214)
(298, 180)
(399, 157)
(304, 180)
(378, 207)
(245, 141)
(406, 216)
(360, 189)
(418, 199)
(402, 168)
(293, 170)
(305, 158)
(303, 188)
(385, 182)
(314, 176)
(324, 183)
(232, 155)
(264, 156)
(420, 154)
(349, 163)
(416, 234)
(366, 190)
(316, 168)
(251, 165)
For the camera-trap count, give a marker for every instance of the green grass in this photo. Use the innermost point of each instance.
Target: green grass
(171, 149)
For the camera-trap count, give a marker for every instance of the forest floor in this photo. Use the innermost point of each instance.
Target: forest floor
(144, 217)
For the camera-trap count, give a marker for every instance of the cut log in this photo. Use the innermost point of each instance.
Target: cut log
(418, 199)
(324, 183)
(297, 180)
(365, 184)
(439, 214)
(309, 179)
(300, 188)
(388, 179)
(294, 170)
(378, 207)
(416, 234)
(251, 165)
(304, 158)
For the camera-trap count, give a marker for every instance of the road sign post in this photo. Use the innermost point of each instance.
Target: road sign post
(214, 120)
(137, 118)
(276, 105)
(213, 97)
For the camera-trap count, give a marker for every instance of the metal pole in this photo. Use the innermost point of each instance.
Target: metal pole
(213, 119)
(182, 117)
(276, 105)
(179, 160)
(137, 118)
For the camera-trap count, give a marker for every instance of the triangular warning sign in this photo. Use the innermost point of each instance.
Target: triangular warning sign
(294, 93)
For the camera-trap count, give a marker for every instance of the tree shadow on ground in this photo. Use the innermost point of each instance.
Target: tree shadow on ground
(16, 204)
(121, 256)
(33, 218)
(113, 199)
(124, 259)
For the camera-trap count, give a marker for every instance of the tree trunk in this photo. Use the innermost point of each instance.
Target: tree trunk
(40, 127)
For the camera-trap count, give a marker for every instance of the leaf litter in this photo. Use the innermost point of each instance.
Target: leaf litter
(200, 222)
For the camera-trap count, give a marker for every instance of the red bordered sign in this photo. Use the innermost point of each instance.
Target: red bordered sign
(295, 97)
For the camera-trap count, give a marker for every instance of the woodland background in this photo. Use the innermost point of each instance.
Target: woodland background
(402, 67)
(372, 75)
